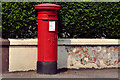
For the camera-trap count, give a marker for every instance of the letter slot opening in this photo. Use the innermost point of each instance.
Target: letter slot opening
(51, 15)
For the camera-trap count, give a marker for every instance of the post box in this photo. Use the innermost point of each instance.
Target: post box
(47, 38)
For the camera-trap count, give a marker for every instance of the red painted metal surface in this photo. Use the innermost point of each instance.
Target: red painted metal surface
(47, 40)
(47, 6)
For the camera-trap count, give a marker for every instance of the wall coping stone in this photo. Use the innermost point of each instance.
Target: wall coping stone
(4, 42)
(62, 41)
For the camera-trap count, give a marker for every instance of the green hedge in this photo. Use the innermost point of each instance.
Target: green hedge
(18, 20)
(76, 19)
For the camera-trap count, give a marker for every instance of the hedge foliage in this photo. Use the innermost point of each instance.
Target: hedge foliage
(18, 20)
(76, 19)
(0, 19)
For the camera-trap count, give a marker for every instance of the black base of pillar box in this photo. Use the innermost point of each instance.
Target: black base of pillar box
(47, 67)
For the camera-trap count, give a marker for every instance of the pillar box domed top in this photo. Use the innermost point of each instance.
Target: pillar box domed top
(47, 6)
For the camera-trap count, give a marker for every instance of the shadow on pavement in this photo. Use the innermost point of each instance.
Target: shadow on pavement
(62, 70)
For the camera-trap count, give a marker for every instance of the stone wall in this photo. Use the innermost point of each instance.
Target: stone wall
(93, 56)
(72, 53)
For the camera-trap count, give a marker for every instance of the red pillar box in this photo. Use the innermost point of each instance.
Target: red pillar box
(47, 38)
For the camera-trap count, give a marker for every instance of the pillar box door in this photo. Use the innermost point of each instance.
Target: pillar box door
(47, 38)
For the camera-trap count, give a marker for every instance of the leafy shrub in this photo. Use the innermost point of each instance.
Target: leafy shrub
(19, 20)
(90, 20)
(76, 19)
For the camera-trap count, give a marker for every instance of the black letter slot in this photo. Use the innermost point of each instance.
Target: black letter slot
(51, 15)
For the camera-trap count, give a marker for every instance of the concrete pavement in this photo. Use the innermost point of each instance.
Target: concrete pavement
(64, 73)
